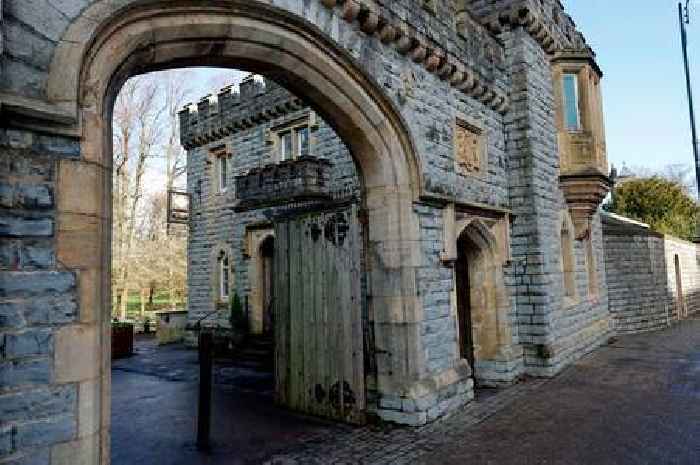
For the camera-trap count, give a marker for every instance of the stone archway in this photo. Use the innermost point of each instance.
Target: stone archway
(106, 45)
(482, 304)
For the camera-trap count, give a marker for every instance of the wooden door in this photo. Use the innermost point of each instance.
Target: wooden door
(680, 299)
(319, 350)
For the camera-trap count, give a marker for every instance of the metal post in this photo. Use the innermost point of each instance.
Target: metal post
(204, 411)
(685, 19)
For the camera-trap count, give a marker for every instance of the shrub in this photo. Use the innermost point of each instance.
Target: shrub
(238, 318)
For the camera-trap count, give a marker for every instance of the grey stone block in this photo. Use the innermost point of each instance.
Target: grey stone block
(404, 418)
(58, 146)
(16, 226)
(38, 15)
(33, 456)
(11, 315)
(59, 310)
(7, 195)
(7, 439)
(390, 402)
(31, 342)
(35, 283)
(25, 372)
(44, 432)
(34, 196)
(38, 255)
(38, 403)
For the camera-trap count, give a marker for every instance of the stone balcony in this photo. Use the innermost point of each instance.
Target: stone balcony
(302, 179)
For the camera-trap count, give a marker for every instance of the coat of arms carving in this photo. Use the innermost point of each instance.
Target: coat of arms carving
(469, 149)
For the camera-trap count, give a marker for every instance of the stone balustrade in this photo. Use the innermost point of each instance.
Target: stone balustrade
(304, 178)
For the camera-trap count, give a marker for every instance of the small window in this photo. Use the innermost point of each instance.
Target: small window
(302, 134)
(568, 263)
(294, 141)
(223, 277)
(286, 146)
(571, 104)
(223, 173)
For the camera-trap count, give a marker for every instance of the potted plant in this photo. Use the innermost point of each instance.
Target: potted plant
(238, 320)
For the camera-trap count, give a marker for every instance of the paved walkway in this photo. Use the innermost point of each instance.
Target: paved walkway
(636, 401)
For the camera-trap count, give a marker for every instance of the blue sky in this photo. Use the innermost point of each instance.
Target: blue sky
(638, 48)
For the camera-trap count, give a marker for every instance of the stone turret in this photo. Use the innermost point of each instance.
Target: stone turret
(582, 151)
(546, 19)
(234, 108)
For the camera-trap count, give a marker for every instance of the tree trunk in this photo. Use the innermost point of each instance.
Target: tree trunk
(151, 292)
(123, 303)
(143, 303)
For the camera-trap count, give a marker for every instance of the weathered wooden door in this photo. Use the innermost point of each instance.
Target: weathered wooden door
(319, 359)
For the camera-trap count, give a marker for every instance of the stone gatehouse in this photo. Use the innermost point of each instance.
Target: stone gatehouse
(472, 247)
(265, 126)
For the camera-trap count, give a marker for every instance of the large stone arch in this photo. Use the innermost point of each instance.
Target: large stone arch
(490, 303)
(106, 45)
(144, 35)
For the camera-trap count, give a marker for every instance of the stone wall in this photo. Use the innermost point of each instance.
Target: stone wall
(689, 271)
(41, 324)
(552, 330)
(641, 275)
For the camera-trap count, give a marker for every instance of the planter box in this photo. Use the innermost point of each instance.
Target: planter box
(122, 340)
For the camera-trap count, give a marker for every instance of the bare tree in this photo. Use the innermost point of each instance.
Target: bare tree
(137, 133)
(147, 141)
(176, 93)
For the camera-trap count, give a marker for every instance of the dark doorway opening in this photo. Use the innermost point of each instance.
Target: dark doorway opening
(267, 253)
(464, 307)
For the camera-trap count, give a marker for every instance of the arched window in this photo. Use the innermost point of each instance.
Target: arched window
(568, 263)
(223, 275)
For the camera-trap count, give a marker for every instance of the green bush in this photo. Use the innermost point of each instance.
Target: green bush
(238, 317)
(664, 204)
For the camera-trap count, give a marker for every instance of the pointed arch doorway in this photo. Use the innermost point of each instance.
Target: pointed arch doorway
(465, 256)
(482, 306)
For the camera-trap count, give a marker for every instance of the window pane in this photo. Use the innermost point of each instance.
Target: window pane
(287, 150)
(303, 141)
(223, 173)
(224, 277)
(571, 113)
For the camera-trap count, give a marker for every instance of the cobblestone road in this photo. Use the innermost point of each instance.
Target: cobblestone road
(635, 401)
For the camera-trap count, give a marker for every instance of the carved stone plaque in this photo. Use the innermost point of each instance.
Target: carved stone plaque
(469, 149)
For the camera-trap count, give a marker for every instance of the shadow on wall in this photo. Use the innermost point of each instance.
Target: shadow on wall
(653, 279)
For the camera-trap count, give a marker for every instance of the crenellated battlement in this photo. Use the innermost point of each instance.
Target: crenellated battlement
(233, 109)
(546, 20)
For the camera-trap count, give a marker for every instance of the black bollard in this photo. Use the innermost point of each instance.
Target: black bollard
(204, 413)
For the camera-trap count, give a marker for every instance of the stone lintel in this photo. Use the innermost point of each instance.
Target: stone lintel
(40, 115)
(577, 56)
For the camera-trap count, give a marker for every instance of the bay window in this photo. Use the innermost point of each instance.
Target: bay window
(572, 114)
